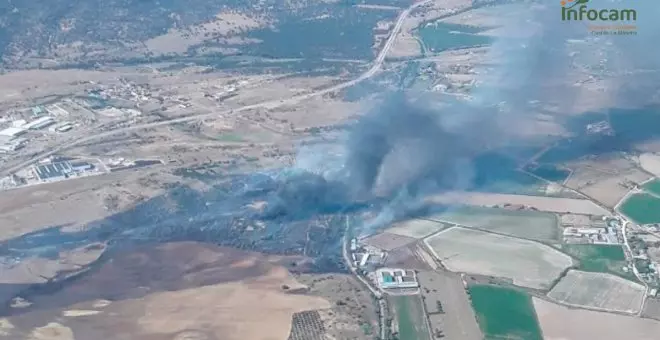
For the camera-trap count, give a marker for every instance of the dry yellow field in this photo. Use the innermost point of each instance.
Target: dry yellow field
(563, 323)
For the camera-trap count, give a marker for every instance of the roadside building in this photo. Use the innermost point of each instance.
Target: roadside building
(396, 278)
(53, 171)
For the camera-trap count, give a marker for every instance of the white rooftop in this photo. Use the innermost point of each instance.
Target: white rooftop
(12, 131)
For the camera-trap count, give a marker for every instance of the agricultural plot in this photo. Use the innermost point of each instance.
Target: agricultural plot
(504, 313)
(441, 36)
(651, 308)
(528, 264)
(602, 258)
(410, 319)
(642, 208)
(416, 228)
(387, 241)
(599, 291)
(653, 187)
(532, 225)
(561, 322)
(448, 305)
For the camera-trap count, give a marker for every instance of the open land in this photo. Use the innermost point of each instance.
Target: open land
(527, 263)
(504, 313)
(651, 308)
(561, 322)
(549, 204)
(599, 291)
(457, 320)
(193, 291)
(166, 290)
(606, 179)
(533, 225)
(410, 320)
(651, 163)
(353, 312)
(387, 241)
(416, 228)
(642, 208)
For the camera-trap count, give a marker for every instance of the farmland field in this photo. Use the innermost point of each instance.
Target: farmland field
(533, 225)
(527, 263)
(653, 187)
(410, 318)
(642, 208)
(599, 291)
(504, 313)
(457, 320)
(441, 36)
(560, 322)
(416, 228)
(602, 258)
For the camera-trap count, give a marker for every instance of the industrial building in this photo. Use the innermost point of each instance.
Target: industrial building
(396, 278)
(59, 170)
(62, 127)
(53, 171)
(11, 146)
(12, 132)
(40, 123)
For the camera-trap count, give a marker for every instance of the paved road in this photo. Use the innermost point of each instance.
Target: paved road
(377, 64)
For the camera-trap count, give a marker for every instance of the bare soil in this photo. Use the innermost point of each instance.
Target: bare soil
(163, 291)
(564, 323)
(457, 321)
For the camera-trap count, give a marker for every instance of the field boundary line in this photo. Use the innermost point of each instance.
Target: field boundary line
(592, 308)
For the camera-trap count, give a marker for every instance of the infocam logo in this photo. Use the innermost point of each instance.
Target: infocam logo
(578, 10)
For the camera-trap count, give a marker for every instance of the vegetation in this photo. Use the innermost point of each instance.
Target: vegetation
(600, 258)
(504, 313)
(642, 208)
(440, 36)
(411, 320)
(653, 187)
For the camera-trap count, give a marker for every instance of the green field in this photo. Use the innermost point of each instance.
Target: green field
(441, 36)
(653, 187)
(600, 258)
(410, 318)
(642, 208)
(229, 137)
(504, 313)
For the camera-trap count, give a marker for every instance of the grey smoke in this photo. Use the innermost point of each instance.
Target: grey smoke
(412, 145)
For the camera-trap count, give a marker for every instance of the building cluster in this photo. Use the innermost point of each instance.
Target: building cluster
(366, 258)
(388, 278)
(647, 266)
(17, 128)
(126, 90)
(606, 230)
(51, 169)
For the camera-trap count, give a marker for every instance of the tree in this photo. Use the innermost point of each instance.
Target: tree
(439, 306)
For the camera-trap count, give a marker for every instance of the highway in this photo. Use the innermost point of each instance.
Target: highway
(374, 69)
